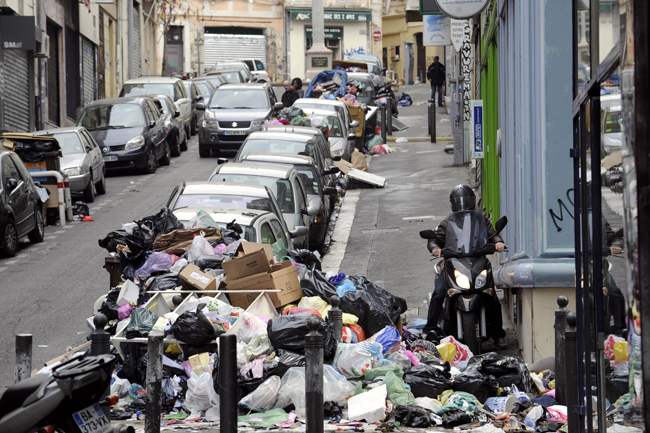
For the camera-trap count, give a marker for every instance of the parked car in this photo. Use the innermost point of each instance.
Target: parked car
(341, 134)
(82, 160)
(177, 136)
(318, 194)
(241, 66)
(258, 226)
(21, 208)
(293, 144)
(130, 131)
(228, 194)
(258, 70)
(170, 86)
(285, 184)
(366, 91)
(195, 97)
(374, 63)
(327, 104)
(232, 76)
(216, 79)
(612, 135)
(206, 87)
(235, 111)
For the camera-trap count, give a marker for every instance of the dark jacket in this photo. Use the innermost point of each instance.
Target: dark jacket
(436, 73)
(611, 238)
(289, 97)
(441, 234)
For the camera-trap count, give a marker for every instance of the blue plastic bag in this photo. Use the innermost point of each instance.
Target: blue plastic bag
(344, 287)
(387, 337)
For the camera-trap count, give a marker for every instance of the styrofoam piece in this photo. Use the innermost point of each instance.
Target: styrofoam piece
(157, 305)
(261, 307)
(370, 178)
(128, 293)
(368, 405)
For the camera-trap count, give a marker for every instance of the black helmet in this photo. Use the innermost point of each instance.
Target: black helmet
(462, 198)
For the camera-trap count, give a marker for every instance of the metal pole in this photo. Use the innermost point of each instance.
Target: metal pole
(382, 109)
(198, 54)
(228, 383)
(560, 364)
(154, 382)
(389, 115)
(23, 357)
(100, 339)
(429, 102)
(335, 316)
(571, 356)
(314, 377)
(433, 121)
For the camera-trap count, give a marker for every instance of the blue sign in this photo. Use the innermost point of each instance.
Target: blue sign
(477, 141)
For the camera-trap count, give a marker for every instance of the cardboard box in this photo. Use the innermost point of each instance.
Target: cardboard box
(250, 247)
(53, 200)
(193, 278)
(245, 265)
(283, 277)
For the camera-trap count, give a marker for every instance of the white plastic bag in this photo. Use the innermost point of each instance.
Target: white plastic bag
(200, 246)
(120, 386)
(264, 397)
(353, 359)
(178, 266)
(427, 403)
(200, 394)
(463, 354)
(399, 359)
(201, 219)
(249, 327)
(335, 386)
(259, 345)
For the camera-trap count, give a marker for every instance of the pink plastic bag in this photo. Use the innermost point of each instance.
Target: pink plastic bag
(414, 360)
(124, 311)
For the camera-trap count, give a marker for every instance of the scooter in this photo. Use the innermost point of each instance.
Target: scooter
(469, 281)
(383, 93)
(70, 399)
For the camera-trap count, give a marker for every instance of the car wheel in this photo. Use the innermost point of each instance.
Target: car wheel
(184, 142)
(38, 234)
(167, 157)
(89, 191)
(187, 131)
(203, 152)
(101, 185)
(10, 239)
(193, 126)
(176, 149)
(152, 163)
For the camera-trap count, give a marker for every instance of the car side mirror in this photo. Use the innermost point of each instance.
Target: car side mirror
(177, 113)
(352, 135)
(312, 210)
(200, 106)
(501, 224)
(354, 124)
(299, 232)
(336, 158)
(333, 170)
(12, 184)
(199, 98)
(88, 149)
(278, 106)
(427, 234)
(328, 190)
(222, 161)
(152, 123)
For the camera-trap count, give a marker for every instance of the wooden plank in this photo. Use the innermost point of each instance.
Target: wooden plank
(68, 354)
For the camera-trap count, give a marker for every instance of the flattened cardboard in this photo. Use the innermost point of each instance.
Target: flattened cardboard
(193, 278)
(246, 265)
(283, 277)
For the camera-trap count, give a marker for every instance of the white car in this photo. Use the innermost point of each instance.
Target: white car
(257, 69)
(327, 104)
(612, 135)
(342, 135)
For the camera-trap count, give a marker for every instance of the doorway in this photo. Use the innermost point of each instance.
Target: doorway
(421, 68)
(174, 51)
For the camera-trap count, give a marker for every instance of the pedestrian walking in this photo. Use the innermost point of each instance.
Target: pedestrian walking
(296, 83)
(290, 95)
(436, 75)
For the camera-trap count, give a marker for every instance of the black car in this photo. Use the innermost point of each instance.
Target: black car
(206, 87)
(21, 208)
(195, 97)
(130, 131)
(176, 132)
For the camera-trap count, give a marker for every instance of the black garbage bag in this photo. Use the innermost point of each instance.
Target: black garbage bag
(132, 262)
(288, 333)
(497, 365)
(169, 371)
(133, 353)
(456, 418)
(168, 281)
(208, 262)
(286, 360)
(194, 328)
(480, 385)
(306, 257)
(426, 345)
(142, 321)
(80, 208)
(34, 150)
(109, 306)
(507, 370)
(617, 382)
(121, 237)
(152, 226)
(411, 416)
(427, 381)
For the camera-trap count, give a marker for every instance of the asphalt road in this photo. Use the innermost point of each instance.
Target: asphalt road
(49, 289)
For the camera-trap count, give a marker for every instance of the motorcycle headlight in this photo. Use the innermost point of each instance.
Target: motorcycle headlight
(461, 280)
(481, 279)
(135, 143)
(73, 171)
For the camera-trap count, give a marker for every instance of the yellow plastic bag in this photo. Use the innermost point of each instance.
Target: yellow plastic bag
(620, 352)
(447, 351)
(316, 303)
(173, 350)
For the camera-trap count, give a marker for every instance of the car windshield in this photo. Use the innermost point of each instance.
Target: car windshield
(224, 200)
(70, 142)
(240, 99)
(165, 106)
(466, 234)
(332, 123)
(364, 87)
(612, 122)
(281, 188)
(307, 175)
(149, 89)
(226, 66)
(203, 88)
(112, 117)
(279, 146)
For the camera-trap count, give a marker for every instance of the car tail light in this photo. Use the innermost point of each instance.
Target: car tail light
(320, 219)
(47, 429)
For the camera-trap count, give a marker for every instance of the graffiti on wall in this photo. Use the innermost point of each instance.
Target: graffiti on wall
(562, 206)
(352, 51)
(466, 59)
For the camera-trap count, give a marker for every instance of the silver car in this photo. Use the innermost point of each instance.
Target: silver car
(285, 184)
(341, 137)
(82, 160)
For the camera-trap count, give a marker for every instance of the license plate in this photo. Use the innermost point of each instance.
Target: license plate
(234, 132)
(110, 158)
(92, 420)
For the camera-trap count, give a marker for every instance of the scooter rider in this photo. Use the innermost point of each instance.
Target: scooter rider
(462, 198)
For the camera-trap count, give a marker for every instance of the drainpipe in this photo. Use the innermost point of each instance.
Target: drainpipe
(129, 18)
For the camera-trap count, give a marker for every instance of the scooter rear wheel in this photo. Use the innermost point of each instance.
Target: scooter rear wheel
(471, 332)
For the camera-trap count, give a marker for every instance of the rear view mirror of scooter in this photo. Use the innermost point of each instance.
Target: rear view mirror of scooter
(427, 234)
(501, 224)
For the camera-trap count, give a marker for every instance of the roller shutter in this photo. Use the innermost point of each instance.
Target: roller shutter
(219, 48)
(16, 102)
(136, 41)
(89, 72)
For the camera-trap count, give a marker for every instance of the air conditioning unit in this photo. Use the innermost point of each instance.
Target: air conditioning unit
(43, 49)
(332, 43)
(395, 58)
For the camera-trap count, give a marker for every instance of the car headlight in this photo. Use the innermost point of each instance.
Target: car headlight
(481, 279)
(461, 280)
(257, 124)
(73, 171)
(135, 143)
(338, 152)
(210, 122)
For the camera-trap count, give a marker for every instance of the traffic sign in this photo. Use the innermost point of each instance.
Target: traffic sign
(458, 33)
(376, 35)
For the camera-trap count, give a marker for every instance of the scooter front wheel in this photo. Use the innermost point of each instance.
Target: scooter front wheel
(471, 332)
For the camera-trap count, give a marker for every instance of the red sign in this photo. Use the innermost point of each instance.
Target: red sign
(377, 35)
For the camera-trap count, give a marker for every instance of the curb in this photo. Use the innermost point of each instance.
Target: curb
(420, 138)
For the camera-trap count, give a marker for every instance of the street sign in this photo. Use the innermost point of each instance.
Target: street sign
(436, 30)
(457, 32)
(376, 35)
(462, 9)
(476, 139)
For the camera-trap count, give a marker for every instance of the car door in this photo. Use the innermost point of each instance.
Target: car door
(283, 241)
(160, 133)
(93, 155)
(301, 201)
(182, 102)
(18, 198)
